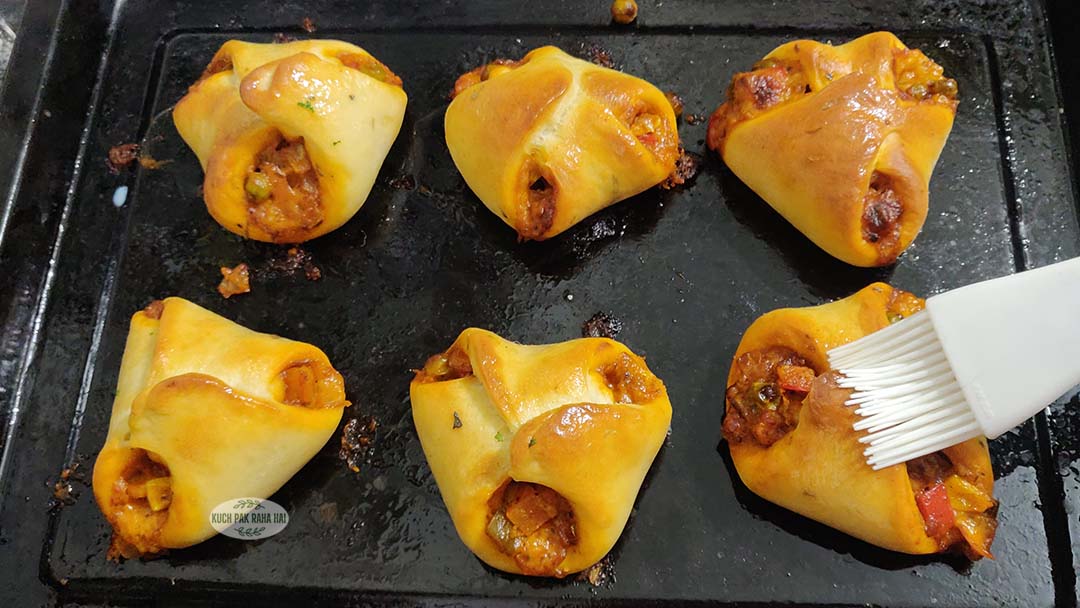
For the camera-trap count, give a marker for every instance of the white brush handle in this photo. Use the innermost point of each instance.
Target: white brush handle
(1013, 343)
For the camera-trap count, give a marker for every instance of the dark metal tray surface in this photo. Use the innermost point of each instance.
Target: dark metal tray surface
(685, 270)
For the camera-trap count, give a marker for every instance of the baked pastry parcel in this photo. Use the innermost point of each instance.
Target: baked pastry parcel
(546, 141)
(291, 136)
(840, 140)
(539, 451)
(793, 444)
(206, 411)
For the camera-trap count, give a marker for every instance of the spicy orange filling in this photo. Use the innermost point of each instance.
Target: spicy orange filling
(140, 505)
(282, 188)
(482, 73)
(763, 405)
(450, 365)
(882, 210)
(533, 524)
(538, 212)
(307, 384)
(956, 512)
(919, 78)
(765, 399)
(769, 84)
(630, 381)
(370, 66)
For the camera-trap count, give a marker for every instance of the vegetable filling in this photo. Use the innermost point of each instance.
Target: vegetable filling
(767, 395)
(919, 78)
(882, 210)
(141, 497)
(533, 524)
(770, 83)
(282, 189)
(956, 512)
(451, 365)
(370, 66)
(308, 384)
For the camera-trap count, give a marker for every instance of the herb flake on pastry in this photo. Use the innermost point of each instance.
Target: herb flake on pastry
(792, 439)
(840, 140)
(291, 136)
(546, 141)
(539, 451)
(206, 411)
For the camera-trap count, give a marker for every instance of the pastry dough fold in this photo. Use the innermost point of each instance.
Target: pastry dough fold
(321, 113)
(818, 469)
(206, 411)
(840, 140)
(584, 418)
(549, 140)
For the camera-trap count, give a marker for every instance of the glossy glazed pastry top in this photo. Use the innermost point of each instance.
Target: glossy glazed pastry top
(548, 140)
(841, 140)
(291, 136)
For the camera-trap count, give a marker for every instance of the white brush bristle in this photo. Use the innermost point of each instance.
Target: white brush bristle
(910, 402)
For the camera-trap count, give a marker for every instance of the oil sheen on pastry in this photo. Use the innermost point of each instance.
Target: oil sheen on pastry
(291, 136)
(840, 140)
(793, 444)
(539, 451)
(206, 411)
(546, 141)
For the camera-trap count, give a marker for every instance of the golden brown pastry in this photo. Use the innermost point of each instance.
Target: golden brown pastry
(206, 411)
(792, 440)
(539, 451)
(546, 141)
(840, 140)
(291, 136)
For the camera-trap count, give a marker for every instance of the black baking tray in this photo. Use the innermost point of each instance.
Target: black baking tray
(684, 270)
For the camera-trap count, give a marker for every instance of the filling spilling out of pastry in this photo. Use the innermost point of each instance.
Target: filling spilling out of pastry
(630, 381)
(765, 399)
(956, 512)
(539, 208)
(771, 383)
(217, 64)
(882, 209)
(370, 66)
(770, 83)
(919, 78)
(764, 404)
(282, 188)
(307, 384)
(482, 73)
(533, 524)
(141, 497)
(450, 365)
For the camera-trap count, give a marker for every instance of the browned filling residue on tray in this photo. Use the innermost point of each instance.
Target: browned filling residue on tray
(601, 325)
(358, 442)
(234, 281)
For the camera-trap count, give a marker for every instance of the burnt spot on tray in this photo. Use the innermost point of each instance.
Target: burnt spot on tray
(600, 574)
(601, 325)
(308, 25)
(358, 442)
(121, 156)
(64, 492)
(403, 182)
(686, 169)
(294, 261)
